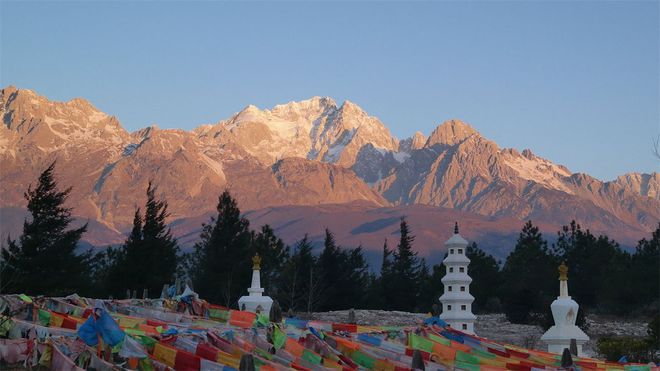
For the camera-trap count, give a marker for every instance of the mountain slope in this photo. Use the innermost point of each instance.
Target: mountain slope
(305, 154)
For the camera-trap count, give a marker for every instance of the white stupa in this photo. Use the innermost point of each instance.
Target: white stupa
(564, 312)
(456, 300)
(255, 302)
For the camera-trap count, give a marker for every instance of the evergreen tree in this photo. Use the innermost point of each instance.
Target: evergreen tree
(43, 261)
(274, 254)
(329, 262)
(383, 283)
(597, 267)
(148, 258)
(405, 272)
(429, 291)
(643, 278)
(485, 274)
(295, 292)
(343, 275)
(353, 279)
(221, 267)
(529, 277)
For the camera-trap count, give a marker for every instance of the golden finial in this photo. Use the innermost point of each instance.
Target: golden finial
(256, 262)
(563, 272)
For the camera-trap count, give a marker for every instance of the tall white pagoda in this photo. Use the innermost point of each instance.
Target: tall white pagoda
(564, 312)
(255, 302)
(456, 300)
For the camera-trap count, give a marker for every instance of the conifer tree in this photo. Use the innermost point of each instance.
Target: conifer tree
(383, 283)
(643, 279)
(274, 254)
(597, 265)
(43, 261)
(405, 271)
(428, 293)
(353, 279)
(148, 258)
(529, 276)
(295, 290)
(329, 262)
(485, 273)
(221, 267)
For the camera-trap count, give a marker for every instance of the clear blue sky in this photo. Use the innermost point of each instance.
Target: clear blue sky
(577, 82)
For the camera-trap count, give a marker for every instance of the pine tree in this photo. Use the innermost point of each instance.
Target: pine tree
(353, 279)
(485, 273)
(148, 259)
(429, 292)
(295, 292)
(597, 266)
(329, 262)
(384, 282)
(405, 267)
(274, 254)
(43, 261)
(221, 267)
(529, 277)
(643, 279)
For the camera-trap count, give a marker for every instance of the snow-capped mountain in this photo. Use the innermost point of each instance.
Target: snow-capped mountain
(315, 129)
(305, 153)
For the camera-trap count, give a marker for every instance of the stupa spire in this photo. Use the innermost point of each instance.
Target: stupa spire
(455, 227)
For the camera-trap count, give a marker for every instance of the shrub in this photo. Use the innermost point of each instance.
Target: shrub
(634, 349)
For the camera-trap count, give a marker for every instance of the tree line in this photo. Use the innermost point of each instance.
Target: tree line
(603, 277)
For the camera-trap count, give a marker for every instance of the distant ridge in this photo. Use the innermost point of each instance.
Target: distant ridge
(301, 154)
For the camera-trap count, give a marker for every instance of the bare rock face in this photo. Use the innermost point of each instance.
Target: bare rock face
(642, 184)
(314, 182)
(306, 153)
(458, 168)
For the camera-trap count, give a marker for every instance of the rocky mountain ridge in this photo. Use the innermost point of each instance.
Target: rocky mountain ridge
(306, 153)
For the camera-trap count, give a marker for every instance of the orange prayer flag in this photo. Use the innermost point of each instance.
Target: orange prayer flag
(165, 354)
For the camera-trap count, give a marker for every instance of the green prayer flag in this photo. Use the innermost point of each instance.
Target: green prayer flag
(482, 353)
(279, 338)
(363, 359)
(258, 362)
(440, 339)
(418, 342)
(132, 331)
(263, 353)
(147, 341)
(467, 358)
(5, 325)
(311, 357)
(467, 366)
(25, 298)
(145, 365)
(44, 317)
(219, 314)
(262, 320)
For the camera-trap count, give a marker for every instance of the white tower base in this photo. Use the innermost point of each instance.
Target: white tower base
(255, 302)
(564, 313)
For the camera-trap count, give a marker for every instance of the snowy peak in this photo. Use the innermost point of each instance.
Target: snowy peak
(315, 129)
(531, 167)
(304, 107)
(450, 133)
